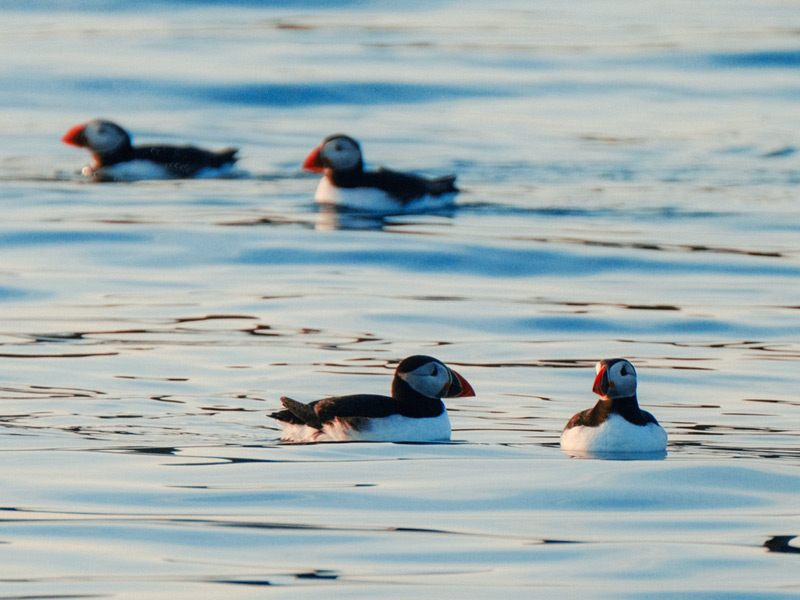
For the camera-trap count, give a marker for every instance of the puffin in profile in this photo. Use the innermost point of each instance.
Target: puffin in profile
(116, 159)
(413, 413)
(346, 183)
(615, 424)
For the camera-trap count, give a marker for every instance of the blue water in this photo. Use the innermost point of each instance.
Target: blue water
(629, 176)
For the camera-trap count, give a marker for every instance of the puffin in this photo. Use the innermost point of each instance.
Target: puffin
(117, 159)
(346, 183)
(413, 413)
(615, 424)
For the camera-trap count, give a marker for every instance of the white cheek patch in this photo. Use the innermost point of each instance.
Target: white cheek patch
(620, 385)
(344, 157)
(103, 143)
(423, 380)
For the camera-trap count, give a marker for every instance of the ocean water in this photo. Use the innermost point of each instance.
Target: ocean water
(629, 177)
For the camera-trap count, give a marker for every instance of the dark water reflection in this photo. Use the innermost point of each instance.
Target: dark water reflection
(781, 544)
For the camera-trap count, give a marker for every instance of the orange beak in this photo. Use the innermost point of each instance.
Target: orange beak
(75, 136)
(313, 161)
(601, 383)
(461, 390)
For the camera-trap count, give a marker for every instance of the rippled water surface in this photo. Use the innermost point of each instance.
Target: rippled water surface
(629, 176)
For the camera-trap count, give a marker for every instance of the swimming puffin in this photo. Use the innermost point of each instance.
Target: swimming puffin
(615, 424)
(414, 412)
(116, 159)
(346, 183)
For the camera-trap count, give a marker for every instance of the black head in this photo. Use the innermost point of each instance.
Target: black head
(431, 378)
(336, 152)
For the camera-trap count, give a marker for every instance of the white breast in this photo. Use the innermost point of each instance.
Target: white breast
(615, 436)
(141, 170)
(389, 429)
(132, 170)
(361, 198)
(374, 200)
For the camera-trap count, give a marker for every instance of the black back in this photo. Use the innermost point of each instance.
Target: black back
(627, 408)
(405, 187)
(184, 161)
(356, 406)
(180, 161)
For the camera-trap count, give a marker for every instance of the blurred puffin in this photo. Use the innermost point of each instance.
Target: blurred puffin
(116, 159)
(615, 424)
(346, 183)
(414, 412)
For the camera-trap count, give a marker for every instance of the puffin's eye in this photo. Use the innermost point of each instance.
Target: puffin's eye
(623, 371)
(435, 371)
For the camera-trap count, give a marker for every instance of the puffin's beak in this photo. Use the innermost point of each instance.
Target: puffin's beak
(601, 382)
(75, 136)
(459, 388)
(313, 161)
